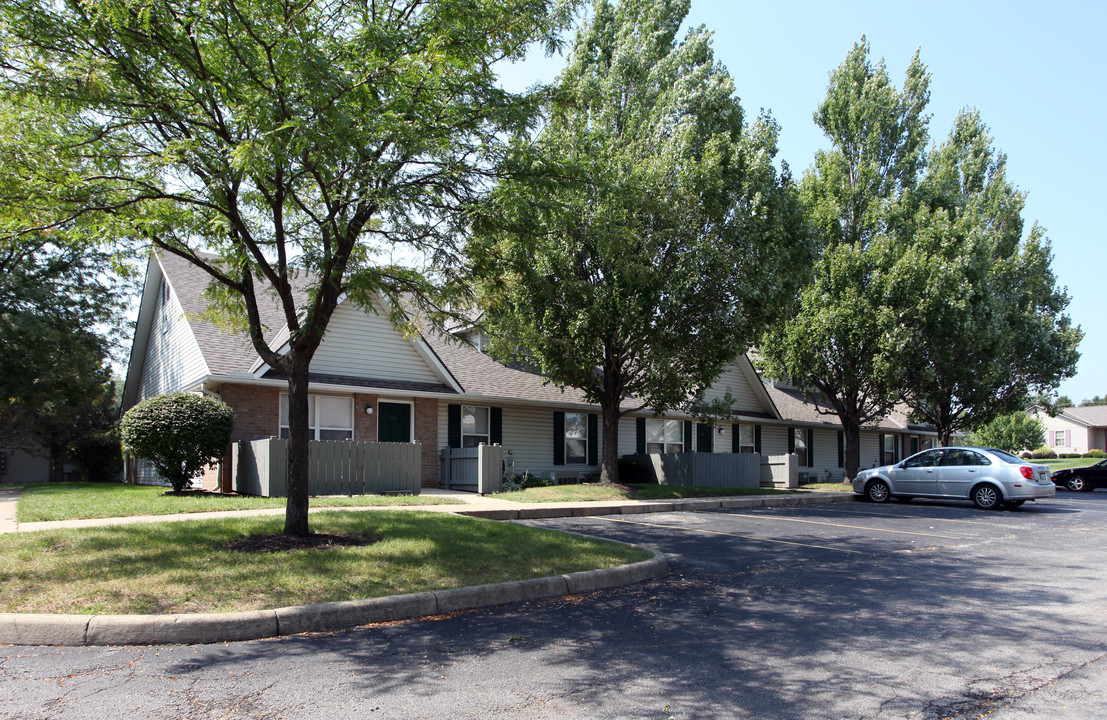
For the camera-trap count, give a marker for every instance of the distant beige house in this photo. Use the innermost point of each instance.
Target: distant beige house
(1075, 429)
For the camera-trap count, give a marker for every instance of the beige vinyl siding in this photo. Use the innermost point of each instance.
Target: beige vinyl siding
(1079, 440)
(826, 456)
(723, 442)
(870, 450)
(733, 380)
(528, 437)
(774, 439)
(361, 344)
(173, 357)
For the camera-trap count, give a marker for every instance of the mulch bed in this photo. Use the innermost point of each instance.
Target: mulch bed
(284, 543)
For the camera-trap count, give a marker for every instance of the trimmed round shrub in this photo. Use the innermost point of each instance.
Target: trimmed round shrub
(179, 433)
(1096, 453)
(99, 455)
(1045, 452)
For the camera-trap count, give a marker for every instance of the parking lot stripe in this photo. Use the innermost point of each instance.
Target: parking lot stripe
(843, 525)
(873, 513)
(717, 532)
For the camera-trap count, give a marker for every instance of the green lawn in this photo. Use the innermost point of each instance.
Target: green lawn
(70, 501)
(598, 492)
(181, 567)
(1064, 464)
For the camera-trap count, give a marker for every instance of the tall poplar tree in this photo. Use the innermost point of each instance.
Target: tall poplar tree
(654, 239)
(987, 320)
(844, 343)
(298, 140)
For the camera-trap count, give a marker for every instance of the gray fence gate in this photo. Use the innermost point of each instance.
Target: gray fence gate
(478, 469)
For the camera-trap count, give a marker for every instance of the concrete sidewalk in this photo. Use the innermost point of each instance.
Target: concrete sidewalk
(472, 505)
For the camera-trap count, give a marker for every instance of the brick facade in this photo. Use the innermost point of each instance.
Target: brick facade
(257, 415)
(426, 433)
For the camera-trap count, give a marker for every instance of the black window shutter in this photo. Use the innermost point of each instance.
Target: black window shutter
(791, 440)
(453, 425)
(496, 426)
(593, 439)
(735, 438)
(757, 439)
(841, 449)
(810, 447)
(559, 438)
(640, 436)
(687, 436)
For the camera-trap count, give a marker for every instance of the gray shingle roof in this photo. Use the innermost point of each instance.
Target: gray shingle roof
(1094, 415)
(224, 351)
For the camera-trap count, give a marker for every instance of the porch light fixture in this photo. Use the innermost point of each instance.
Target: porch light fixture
(369, 410)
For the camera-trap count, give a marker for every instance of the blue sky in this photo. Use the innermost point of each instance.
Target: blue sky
(1034, 70)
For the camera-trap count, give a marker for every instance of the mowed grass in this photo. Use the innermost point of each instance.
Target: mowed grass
(829, 487)
(72, 501)
(1066, 463)
(599, 492)
(181, 567)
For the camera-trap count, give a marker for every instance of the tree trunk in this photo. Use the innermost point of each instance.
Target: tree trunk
(851, 433)
(296, 510)
(609, 468)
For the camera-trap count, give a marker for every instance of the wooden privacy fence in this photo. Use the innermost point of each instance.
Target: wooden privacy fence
(741, 470)
(479, 469)
(703, 469)
(335, 467)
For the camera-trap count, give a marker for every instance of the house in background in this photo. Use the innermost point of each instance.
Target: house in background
(25, 463)
(1075, 429)
(370, 382)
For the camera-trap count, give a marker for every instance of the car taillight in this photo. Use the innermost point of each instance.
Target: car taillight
(1027, 472)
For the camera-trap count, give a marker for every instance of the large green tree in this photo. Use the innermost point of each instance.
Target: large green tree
(653, 239)
(843, 344)
(986, 318)
(300, 141)
(61, 291)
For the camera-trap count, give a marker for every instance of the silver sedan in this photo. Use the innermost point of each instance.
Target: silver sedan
(988, 477)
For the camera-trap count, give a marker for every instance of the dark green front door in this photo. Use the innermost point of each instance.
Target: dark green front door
(393, 422)
(705, 438)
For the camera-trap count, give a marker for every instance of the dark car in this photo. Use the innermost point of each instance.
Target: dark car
(1085, 478)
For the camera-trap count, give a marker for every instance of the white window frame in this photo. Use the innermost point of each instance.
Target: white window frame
(315, 430)
(488, 423)
(565, 438)
(667, 446)
(885, 450)
(802, 451)
(741, 428)
(1059, 438)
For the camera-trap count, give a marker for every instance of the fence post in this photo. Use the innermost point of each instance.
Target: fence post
(489, 469)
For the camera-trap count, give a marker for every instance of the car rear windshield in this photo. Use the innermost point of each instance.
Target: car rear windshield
(1005, 456)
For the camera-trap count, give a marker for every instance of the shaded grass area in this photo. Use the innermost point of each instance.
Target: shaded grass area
(183, 567)
(829, 487)
(71, 501)
(599, 492)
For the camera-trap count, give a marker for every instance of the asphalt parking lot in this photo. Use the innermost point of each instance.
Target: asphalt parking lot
(925, 610)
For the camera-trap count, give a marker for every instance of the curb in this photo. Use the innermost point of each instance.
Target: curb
(755, 501)
(77, 630)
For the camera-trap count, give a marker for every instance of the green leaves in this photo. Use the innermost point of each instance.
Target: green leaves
(644, 238)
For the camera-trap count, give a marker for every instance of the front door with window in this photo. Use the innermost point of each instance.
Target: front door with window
(394, 422)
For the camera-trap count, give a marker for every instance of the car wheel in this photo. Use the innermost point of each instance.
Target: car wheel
(986, 497)
(1012, 504)
(877, 491)
(1076, 483)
